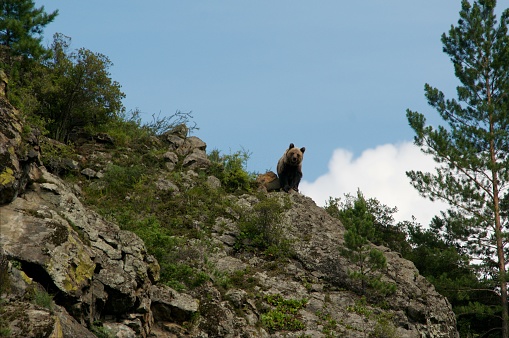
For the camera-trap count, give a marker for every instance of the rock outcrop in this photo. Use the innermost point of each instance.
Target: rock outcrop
(94, 269)
(19, 151)
(65, 271)
(319, 273)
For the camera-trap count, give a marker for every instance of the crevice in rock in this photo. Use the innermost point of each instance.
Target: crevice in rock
(117, 303)
(98, 268)
(39, 275)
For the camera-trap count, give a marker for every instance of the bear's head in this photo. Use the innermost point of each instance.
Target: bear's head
(294, 156)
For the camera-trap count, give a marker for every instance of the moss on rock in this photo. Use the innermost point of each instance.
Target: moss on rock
(7, 177)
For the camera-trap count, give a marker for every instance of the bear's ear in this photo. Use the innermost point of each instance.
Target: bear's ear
(291, 146)
(303, 149)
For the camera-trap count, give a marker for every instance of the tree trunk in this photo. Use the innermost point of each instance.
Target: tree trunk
(502, 272)
(498, 232)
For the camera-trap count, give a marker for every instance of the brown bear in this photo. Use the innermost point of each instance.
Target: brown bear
(289, 168)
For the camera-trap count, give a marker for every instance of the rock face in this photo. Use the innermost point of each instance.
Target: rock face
(319, 273)
(95, 269)
(67, 272)
(18, 152)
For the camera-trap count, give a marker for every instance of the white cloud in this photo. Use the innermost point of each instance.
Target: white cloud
(379, 173)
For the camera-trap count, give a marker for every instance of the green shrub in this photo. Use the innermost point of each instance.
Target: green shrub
(54, 154)
(124, 130)
(163, 220)
(384, 328)
(5, 332)
(370, 262)
(100, 331)
(241, 279)
(328, 324)
(262, 229)
(230, 169)
(44, 299)
(121, 180)
(285, 314)
(38, 296)
(175, 260)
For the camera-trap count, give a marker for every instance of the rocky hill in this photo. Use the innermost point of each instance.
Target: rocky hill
(67, 271)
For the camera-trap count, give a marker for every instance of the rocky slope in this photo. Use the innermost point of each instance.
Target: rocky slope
(103, 282)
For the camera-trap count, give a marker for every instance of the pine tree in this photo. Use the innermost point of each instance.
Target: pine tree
(360, 230)
(21, 27)
(472, 150)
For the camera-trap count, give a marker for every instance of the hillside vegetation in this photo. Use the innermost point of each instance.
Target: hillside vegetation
(214, 254)
(269, 262)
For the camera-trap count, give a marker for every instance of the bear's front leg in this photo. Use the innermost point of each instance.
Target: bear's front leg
(296, 181)
(284, 183)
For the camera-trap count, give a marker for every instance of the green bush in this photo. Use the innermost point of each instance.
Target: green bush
(128, 128)
(100, 331)
(241, 279)
(369, 262)
(170, 251)
(262, 229)
(164, 221)
(230, 169)
(38, 296)
(285, 314)
(328, 324)
(54, 154)
(42, 298)
(384, 328)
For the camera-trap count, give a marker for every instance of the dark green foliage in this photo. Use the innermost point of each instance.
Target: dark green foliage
(285, 314)
(472, 148)
(83, 93)
(101, 331)
(386, 231)
(21, 27)
(121, 180)
(384, 327)
(230, 169)
(360, 230)
(438, 259)
(72, 89)
(174, 225)
(128, 129)
(261, 229)
(328, 324)
(165, 223)
(447, 266)
(56, 155)
(43, 298)
(243, 279)
(170, 252)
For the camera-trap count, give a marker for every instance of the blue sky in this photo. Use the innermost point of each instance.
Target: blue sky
(333, 76)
